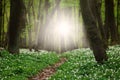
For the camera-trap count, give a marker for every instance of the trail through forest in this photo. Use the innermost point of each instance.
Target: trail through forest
(49, 71)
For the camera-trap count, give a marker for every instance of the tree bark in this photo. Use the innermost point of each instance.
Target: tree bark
(99, 18)
(1, 22)
(16, 19)
(110, 24)
(96, 11)
(96, 42)
(118, 13)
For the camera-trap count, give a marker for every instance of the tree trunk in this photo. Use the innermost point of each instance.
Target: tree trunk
(100, 23)
(92, 32)
(111, 28)
(1, 22)
(118, 14)
(38, 22)
(96, 11)
(42, 31)
(16, 18)
(29, 7)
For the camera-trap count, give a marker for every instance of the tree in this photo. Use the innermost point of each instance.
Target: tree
(43, 30)
(96, 10)
(118, 13)
(1, 21)
(96, 42)
(38, 24)
(100, 23)
(15, 25)
(110, 24)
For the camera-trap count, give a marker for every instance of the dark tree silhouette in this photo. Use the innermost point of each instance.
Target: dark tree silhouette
(110, 24)
(15, 23)
(96, 10)
(118, 13)
(92, 31)
(1, 21)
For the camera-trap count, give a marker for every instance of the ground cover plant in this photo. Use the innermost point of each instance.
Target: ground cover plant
(24, 65)
(82, 66)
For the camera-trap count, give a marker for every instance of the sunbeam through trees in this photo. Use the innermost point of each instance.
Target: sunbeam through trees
(65, 39)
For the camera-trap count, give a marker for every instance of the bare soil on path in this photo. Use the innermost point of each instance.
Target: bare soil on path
(49, 71)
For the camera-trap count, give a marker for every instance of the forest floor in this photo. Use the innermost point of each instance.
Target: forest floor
(78, 64)
(47, 72)
(24, 65)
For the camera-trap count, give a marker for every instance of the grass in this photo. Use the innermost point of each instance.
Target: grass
(24, 65)
(82, 66)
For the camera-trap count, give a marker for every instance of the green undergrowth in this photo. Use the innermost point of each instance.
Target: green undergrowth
(81, 65)
(24, 65)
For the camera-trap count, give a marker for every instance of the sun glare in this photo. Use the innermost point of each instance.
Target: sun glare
(63, 29)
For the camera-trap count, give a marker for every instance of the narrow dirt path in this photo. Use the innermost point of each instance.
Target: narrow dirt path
(49, 71)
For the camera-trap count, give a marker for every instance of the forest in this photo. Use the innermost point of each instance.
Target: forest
(59, 39)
